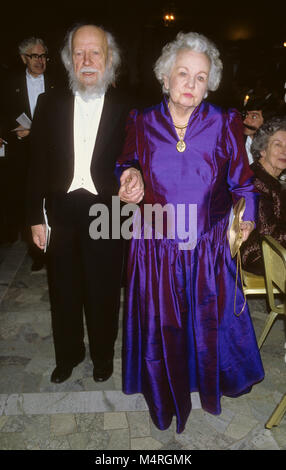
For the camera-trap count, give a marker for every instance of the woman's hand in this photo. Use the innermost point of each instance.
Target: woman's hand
(246, 229)
(132, 186)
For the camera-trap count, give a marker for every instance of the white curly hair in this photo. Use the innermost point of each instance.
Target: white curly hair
(195, 42)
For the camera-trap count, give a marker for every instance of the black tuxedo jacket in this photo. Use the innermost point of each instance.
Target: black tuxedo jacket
(15, 101)
(52, 149)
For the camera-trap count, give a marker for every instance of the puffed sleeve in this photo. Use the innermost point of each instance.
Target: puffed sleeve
(129, 157)
(240, 175)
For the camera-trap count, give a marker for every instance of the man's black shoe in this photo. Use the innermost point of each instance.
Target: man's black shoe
(60, 374)
(63, 372)
(102, 370)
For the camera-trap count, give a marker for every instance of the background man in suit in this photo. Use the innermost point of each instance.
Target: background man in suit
(257, 110)
(76, 138)
(20, 94)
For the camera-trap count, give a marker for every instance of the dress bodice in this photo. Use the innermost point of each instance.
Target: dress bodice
(212, 173)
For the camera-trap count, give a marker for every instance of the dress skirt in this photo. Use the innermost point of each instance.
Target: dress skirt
(181, 333)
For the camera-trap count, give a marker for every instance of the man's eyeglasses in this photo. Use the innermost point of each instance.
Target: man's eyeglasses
(37, 56)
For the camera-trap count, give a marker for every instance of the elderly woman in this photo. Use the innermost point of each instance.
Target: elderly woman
(181, 334)
(269, 150)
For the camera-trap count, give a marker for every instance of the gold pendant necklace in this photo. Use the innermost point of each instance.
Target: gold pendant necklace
(181, 144)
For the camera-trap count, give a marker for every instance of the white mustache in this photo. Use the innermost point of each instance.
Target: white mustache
(88, 70)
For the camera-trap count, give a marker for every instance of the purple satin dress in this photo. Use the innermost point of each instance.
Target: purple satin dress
(180, 331)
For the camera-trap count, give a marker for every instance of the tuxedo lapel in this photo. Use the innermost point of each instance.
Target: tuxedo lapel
(48, 84)
(66, 131)
(25, 96)
(62, 124)
(107, 123)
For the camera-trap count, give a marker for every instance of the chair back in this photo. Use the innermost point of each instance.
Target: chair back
(274, 255)
(275, 274)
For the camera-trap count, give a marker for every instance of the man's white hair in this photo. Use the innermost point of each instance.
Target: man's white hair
(195, 42)
(111, 69)
(28, 43)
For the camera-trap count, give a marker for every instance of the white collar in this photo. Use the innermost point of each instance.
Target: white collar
(92, 99)
(31, 77)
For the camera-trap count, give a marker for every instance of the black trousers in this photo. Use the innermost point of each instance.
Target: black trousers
(84, 281)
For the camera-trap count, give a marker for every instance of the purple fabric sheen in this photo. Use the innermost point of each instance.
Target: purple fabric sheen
(180, 331)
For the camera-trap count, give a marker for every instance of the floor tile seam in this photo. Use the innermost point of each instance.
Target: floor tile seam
(52, 403)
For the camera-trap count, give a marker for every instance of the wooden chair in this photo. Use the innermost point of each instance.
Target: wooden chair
(275, 275)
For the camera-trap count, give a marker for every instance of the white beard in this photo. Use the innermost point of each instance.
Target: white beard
(88, 92)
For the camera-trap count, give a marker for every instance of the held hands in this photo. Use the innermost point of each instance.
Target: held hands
(246, 229)
(39, 235)
(132, 186)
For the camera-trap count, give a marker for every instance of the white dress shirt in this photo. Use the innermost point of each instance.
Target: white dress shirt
(87, 116)
(247, 146)
(36, 86)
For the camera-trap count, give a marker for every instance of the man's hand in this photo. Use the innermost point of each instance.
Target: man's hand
(22, 132)
(132, 186)
(1, 142)
(246, 229)
(39, 235)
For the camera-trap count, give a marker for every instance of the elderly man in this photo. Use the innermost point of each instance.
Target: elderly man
(20, 95)
(76, 139)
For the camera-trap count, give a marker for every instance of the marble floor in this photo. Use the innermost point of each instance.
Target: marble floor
(82, 415)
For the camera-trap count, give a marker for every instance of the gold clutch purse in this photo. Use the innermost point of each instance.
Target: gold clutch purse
(235, 241)
(234, 234)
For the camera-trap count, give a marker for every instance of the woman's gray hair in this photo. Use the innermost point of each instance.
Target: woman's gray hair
(263, 134)
(113, 50)
(27, 44)
(197, 43)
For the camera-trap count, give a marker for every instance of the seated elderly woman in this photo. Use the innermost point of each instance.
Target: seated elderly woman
(269, 151)
(181, 334)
